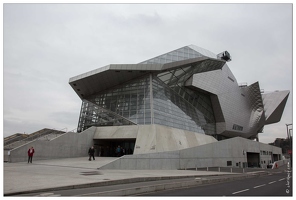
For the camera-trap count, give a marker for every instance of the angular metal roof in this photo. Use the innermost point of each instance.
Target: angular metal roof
(274, 104)
(111, 75)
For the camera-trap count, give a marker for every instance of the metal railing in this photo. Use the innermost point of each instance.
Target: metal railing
(34, 136)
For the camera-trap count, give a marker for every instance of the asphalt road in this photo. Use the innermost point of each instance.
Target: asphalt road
(277, 184)
(90, 190)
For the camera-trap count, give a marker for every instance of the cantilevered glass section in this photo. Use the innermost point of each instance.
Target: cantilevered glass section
(173, 110)
(130, 101)
(151, 99)
(158, 97)
(183, 53)
(180, 107)
(94, 115)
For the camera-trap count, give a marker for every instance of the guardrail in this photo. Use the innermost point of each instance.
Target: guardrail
(34, 136)
(279, 163)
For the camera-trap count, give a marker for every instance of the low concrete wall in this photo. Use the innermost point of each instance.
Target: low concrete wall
(68, 145)
(280, 163)
(165, 160)
(154, 138)
(163, 139)
(216, 154)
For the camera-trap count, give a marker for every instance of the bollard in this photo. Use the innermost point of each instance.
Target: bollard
(230, 170)
(219, 169)
(207, 168)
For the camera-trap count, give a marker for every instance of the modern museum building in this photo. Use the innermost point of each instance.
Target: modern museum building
(182, 109)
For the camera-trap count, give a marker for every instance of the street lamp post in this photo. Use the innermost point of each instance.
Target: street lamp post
(289, 138)
(291, 144)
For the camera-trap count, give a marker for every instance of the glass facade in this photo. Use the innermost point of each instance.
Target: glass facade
(176, 55)
(135, 103)
(129, 102)
(93, 115)
(188, 109)
(156, 98)
(173, 110)
(183, 53)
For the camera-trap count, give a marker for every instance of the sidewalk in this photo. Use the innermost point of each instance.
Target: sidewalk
(79, 172)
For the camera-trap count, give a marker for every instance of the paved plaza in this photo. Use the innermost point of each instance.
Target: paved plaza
(58, 173)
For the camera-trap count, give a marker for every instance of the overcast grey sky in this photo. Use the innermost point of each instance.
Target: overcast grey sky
(46, 44)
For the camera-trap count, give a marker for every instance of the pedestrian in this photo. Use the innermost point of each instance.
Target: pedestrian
(100, 151)
(91, 153)
(118, 151)
(31, 152)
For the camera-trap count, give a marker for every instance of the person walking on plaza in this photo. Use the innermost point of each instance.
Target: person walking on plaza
(91, 153)
(118, 151)
(31, 152)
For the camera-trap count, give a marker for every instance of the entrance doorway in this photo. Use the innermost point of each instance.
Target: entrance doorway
(275, 157)
(253, 159)
(107, 147)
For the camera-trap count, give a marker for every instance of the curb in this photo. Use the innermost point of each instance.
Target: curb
(106, 183)
(170, 186)
(199, 180)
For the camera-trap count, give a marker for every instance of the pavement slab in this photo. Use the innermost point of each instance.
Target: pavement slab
(74, 172)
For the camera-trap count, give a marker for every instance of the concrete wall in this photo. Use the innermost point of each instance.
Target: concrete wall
(280, 163)
(65, 146)
(154, 138)
(116, 132)
(214, 154)
(165, 160)
(158, 138)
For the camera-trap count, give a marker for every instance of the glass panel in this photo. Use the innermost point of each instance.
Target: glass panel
(120, 107)
(181, 110)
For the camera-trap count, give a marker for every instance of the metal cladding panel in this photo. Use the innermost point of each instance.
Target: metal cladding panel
(101, 79)
(241, 109)
(219, 116)
(257, 117)
(274, 104)
(204, 63)
(216, 81)
(84, 75)
(109, 76)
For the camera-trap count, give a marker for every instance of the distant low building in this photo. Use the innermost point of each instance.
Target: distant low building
(284, 144)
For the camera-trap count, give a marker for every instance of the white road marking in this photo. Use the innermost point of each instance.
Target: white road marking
(45, 194)
(259, 186)
(240, 191)
(272, 182)
(282, 179)
(48, 195)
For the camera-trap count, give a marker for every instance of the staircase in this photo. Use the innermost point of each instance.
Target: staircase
(15, 140)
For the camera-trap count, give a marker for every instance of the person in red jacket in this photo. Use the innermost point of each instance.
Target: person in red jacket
(31, 152)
